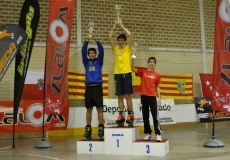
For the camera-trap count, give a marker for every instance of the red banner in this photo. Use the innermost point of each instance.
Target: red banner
(206, 84)
(57, 54)
(29, 117)
(221, 62)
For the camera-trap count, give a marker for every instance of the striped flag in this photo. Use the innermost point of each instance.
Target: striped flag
(76, 84)
(176, 86)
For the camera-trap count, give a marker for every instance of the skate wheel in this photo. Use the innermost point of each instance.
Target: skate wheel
(120, 125)
(130, 125)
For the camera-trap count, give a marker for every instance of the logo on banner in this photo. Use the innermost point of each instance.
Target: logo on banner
(11, 39)
(222, 100)
(224, 11)
(117, 135)
(203, 103)
(33, 116)
(181, 86)
(40, 83)
(53, 106)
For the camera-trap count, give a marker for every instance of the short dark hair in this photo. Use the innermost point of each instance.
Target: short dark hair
(152, 58)
(122, 36)
(92, 49)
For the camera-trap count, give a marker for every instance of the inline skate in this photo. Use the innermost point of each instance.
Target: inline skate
(88, 132)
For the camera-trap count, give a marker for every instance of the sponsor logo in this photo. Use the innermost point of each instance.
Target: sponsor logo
(30, 116)
(40, 83)
(203, 103)
(165, 107)
(111, 123)
(118, 135)
(149, 76)
(217, 115)
(25, 49)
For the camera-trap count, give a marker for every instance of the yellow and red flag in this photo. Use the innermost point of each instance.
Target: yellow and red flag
(176, 86)
(76, 84)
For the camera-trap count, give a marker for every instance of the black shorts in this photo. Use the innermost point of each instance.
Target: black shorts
(93, 96)
(123, 84)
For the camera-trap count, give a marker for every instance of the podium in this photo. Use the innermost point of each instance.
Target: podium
(123, 141)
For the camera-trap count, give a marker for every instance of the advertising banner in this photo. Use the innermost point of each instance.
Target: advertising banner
(29, 19)
(221, 62)
(57, 54)
(166, 112)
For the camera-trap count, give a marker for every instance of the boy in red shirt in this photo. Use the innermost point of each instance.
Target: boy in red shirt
(150, 89)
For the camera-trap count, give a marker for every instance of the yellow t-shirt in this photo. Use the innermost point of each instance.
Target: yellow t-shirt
(122, 60)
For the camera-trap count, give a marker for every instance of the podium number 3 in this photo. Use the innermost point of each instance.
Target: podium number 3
(90, 147)
(117, 142)
(147, 148)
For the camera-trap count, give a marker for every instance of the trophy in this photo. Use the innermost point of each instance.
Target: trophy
(90, 25)
(134, 49)
(118, 8)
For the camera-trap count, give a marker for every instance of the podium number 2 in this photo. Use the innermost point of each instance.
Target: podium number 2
(117, 142)
(147, 148)
(90, 147)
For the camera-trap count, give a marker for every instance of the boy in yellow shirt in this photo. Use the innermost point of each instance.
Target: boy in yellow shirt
(122, 73)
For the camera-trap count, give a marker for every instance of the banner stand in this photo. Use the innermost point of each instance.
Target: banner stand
(13, 132)
(43, 143)
(213, 143)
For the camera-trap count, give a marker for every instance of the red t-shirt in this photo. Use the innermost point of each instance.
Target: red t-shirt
(149, 82)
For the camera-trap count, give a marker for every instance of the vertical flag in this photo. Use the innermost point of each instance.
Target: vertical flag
(206, 82)
(57, 53)
(29, 19)
(221, 61)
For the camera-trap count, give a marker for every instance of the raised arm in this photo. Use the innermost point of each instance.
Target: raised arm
(111, 42)
(129, 39)
(84, 52)
(101, 52)
(100, 49)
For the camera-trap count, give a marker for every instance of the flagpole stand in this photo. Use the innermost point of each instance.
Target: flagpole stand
(43, 144)
(213, 143)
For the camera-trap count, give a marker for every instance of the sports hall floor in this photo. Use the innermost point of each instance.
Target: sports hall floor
(185, 143)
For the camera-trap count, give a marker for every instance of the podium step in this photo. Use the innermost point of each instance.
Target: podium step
(118, 140)
(93, 146)
(151, 147)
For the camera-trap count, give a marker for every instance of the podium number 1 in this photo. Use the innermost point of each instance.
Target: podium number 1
(147, 148)
(90, 147)
(117, 142)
